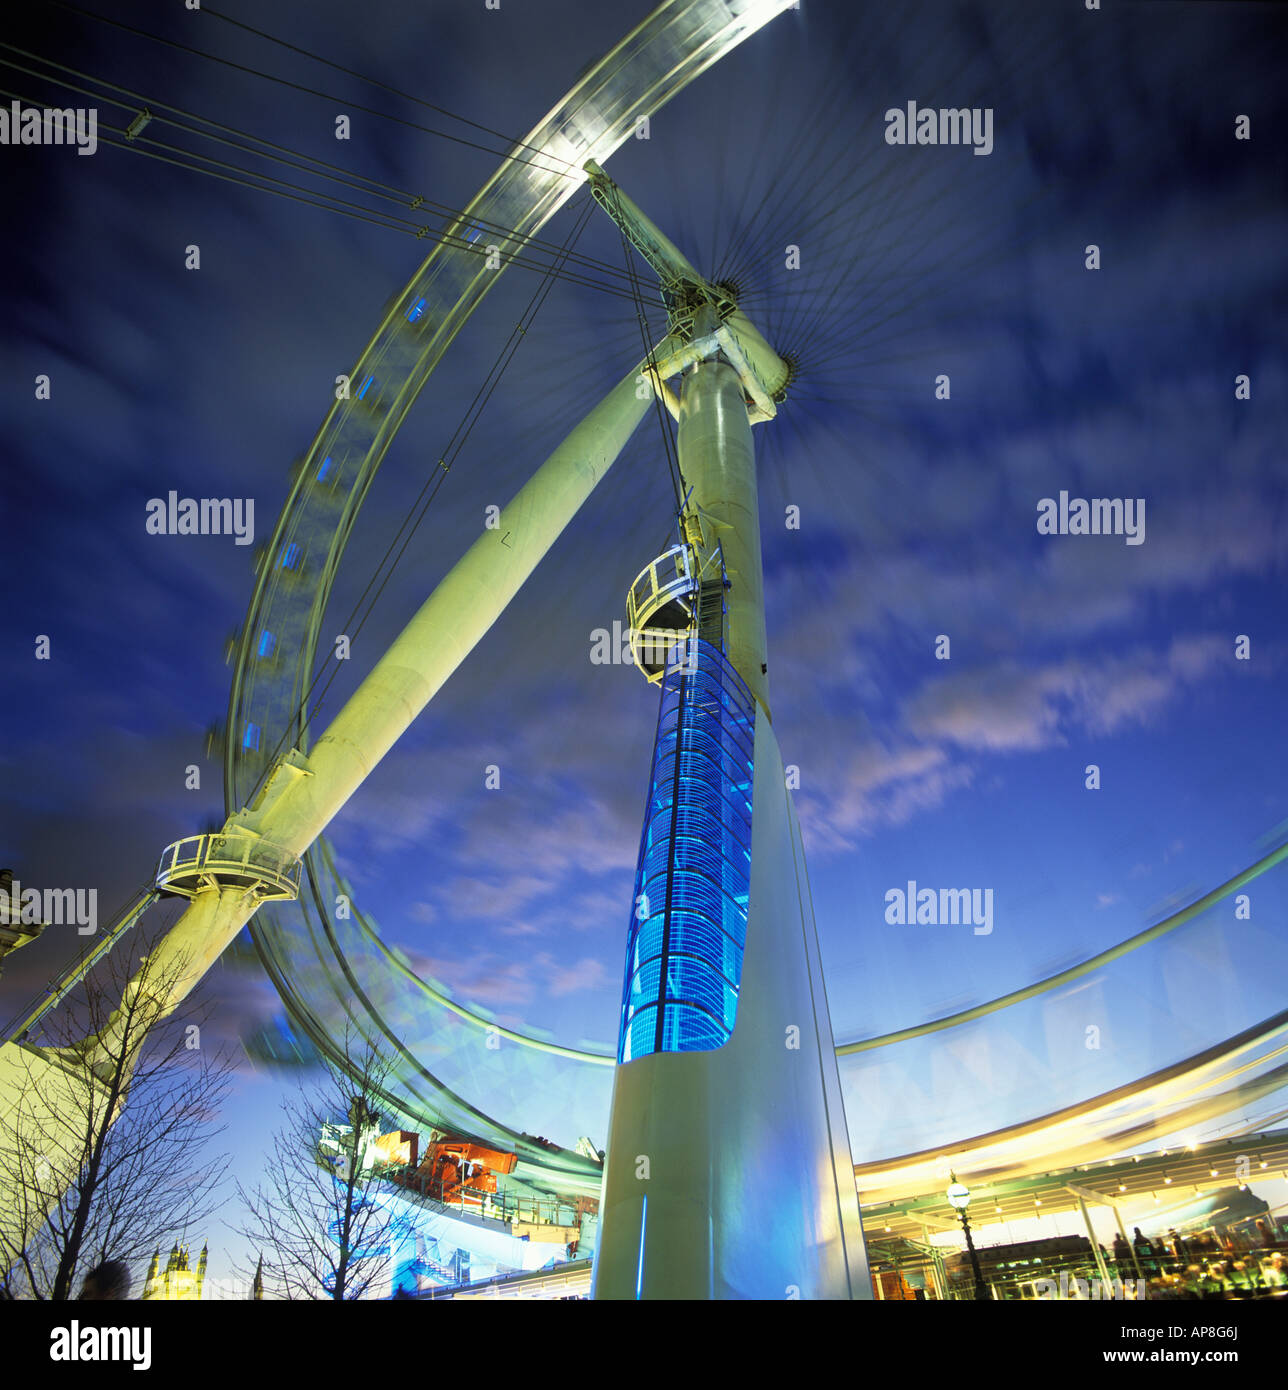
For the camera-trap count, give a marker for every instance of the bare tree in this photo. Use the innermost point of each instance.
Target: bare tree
(324, 1212)
(119, 1164)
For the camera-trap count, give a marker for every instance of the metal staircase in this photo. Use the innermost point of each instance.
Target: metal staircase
(710, 611)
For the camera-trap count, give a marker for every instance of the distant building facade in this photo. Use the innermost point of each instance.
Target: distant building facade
(178, 1281)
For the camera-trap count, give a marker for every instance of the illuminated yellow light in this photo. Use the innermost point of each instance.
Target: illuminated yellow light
(1212, 1172)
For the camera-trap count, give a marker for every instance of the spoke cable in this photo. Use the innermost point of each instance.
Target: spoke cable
(290, 158)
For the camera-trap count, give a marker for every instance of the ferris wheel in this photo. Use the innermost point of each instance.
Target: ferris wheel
(329, 966)
(457, 1068)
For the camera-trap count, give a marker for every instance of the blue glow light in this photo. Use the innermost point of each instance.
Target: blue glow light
(251, 739)
(325, 469)
(686, 938)
(290, 556)
(639, 1272)
(365, 387)
(416, 311)
(266, 643)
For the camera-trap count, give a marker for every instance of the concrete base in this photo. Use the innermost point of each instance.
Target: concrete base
(728, 1173)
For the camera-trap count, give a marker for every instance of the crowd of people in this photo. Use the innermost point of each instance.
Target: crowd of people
(1233, 1264)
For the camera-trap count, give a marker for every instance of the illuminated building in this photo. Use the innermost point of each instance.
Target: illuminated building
(178, 1281)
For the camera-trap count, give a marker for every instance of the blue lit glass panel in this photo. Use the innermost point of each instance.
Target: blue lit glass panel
(415, 311)
(251, 740)
(365, 387)
(290, 556)
(266, 643)
(687, 934)
(325, 470)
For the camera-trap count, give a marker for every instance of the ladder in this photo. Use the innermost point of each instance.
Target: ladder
(711, 611)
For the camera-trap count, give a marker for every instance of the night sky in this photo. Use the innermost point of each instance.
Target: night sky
(917, 516)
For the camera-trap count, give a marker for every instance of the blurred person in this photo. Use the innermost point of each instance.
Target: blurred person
(108, 1280)
(1144, 1252)
(1179, 1248)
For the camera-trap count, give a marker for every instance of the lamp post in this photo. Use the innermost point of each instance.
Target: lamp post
(959, 1199)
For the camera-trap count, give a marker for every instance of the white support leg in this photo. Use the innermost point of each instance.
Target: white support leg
(304, 794)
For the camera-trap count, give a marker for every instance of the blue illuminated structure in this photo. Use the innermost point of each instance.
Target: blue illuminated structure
(689, 928)
(728, 1172)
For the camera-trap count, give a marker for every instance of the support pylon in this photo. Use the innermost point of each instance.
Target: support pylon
(728, 1172)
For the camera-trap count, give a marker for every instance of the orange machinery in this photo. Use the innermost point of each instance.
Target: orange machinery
(398, 1147)
(456, 1170)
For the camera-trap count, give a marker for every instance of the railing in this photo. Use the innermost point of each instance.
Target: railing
(668, 578)
(72, 976)
(1244, 1272)
(214, 861)
(656, 649)
(504, 1207)
(570, 1279)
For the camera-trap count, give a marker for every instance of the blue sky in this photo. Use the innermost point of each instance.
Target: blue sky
(917, 515)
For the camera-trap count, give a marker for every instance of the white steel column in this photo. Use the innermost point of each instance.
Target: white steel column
(717, 460)
(1095, 1244)
(728, 1172)
(304, 794)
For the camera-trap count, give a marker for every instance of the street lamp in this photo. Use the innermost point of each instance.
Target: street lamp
(959, 1199)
